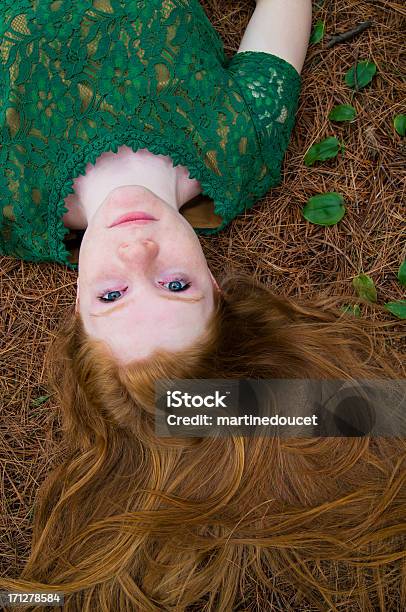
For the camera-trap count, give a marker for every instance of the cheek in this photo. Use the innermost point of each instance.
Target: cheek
(192, 244)
(92, 244)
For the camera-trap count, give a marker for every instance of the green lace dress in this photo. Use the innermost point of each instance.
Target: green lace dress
(78, 78)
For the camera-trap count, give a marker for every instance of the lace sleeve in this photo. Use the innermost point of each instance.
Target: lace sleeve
(270, 87)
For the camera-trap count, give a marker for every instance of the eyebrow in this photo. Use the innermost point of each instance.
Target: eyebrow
(177, 298)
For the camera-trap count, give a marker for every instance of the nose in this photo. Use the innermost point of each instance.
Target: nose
(141, 251)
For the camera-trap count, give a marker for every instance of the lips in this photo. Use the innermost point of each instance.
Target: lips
(140, 216)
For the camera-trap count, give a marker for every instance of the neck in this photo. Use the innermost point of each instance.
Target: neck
(111, 170)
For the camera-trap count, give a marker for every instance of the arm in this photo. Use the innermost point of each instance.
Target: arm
(280, 27)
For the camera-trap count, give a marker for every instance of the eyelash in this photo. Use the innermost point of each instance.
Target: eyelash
(187, 285)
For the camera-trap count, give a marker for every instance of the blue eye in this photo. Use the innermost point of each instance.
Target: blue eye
(101, 298)
(175, 285)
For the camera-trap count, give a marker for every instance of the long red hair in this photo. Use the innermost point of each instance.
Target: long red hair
(131, 521)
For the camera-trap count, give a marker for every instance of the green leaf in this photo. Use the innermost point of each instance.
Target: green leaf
(318, 32)
(343, 112)
(353, 310)
(402, 274)
(325, 209)
(326, 149)
(40, 400)
(365, 73)
(397, 308)
(400, 124)
(365, 288)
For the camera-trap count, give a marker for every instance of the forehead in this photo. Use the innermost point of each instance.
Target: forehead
(138, 336)
(160, 310)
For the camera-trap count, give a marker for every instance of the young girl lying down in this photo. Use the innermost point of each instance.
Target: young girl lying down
(115, 116)
(133, 109)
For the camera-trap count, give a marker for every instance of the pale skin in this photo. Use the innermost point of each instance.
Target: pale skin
(137, 267)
